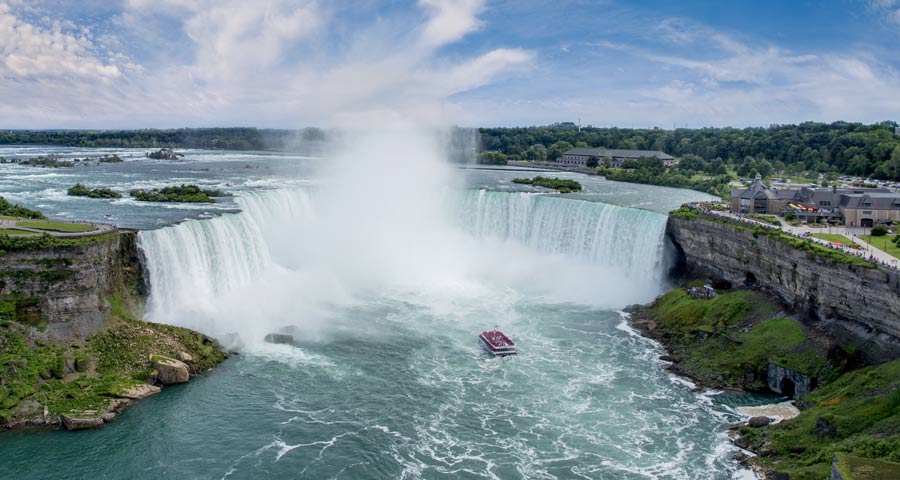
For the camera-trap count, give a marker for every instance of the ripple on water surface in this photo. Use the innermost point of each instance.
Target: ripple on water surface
(413, 397)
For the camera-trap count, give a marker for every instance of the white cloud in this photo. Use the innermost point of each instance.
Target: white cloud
(233, 62)
(888, 9)
(28, 51)
(744, 84)
(450, 20)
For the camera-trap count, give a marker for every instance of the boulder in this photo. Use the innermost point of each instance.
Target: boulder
(80, 423)
(824, 429)
(185, 357)
(139, 391)
(119, 404)
(108, 417)
(760, 421)
(669, 358)
(170, 370)
(741, 442)
(82, 364)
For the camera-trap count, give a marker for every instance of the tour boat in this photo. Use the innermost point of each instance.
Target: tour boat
(496, 343)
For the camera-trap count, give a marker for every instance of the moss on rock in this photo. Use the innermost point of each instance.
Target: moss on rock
(729, 340)
(856, 415)
(84, 380)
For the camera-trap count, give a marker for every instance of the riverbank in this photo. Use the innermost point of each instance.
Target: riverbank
(712, 186)
(744, 339)
(85, 385)
(73, 350)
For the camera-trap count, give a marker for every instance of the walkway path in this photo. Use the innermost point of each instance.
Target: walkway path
(868, 252)
(99, 228)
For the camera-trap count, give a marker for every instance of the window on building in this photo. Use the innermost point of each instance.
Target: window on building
(824, 203)
(867, 212)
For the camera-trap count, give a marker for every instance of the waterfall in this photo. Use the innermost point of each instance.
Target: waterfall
(286, 255)
(626, 238)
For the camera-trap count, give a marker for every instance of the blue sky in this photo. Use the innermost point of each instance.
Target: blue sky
(294, 63)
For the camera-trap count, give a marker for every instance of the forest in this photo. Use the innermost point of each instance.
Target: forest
(205, 138)
(839, 147)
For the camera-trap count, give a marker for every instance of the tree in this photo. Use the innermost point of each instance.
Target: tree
(718, 167)
(879, 230)
(592, 162)
(763, 167)
(557, 149)
(747, 168)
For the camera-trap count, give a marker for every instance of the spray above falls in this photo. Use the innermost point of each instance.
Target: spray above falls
(387, 217)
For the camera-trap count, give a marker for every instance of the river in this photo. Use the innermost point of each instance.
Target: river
(384, 286)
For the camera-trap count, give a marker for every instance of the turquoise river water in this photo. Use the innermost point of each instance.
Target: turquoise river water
(385, 290)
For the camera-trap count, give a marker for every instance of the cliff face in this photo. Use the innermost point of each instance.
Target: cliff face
(64, 291)
(848, 303)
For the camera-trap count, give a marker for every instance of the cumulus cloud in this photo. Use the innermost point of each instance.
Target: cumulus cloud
(231, 62)
(450, 20)
(28, 51)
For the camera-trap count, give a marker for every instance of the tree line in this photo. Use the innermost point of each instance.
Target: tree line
(838, 147)
(204, 138)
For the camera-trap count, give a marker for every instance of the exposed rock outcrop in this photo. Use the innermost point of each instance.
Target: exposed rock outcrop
(137, 392)
(81, 423)
(757, 422)
(850, 303)
(63, 290)
(789, 382)
(171, 371)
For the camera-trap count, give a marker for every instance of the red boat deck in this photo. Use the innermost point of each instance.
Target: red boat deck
(497, 343)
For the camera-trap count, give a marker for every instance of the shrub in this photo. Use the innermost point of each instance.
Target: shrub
(79, 190)
(564, 186)
(879, 230)
(183, 193)
(11, 210)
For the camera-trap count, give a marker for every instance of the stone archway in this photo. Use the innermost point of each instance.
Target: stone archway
(866, 223)
(788, 388)
(749, 279)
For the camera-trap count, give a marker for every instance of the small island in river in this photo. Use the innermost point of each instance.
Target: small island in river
(559, 184)
(182, 193)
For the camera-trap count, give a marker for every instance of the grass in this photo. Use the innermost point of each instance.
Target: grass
(805, 245)
(87, 377)
(856, 468)
(11, 231)
(883, 243)
(833, 238)
(730, 340)
(37, 242)
(56, 226)
(856, 415)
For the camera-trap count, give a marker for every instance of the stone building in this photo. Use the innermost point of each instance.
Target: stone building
(867, 209)
(855, 207)
(580, 156)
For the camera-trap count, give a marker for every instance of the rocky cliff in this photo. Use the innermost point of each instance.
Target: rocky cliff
(73, 349)
(63, 291)
(851, 303)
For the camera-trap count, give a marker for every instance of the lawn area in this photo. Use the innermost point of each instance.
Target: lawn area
(833, 238)
(883, 243)
(8, 231)
(56, 226)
